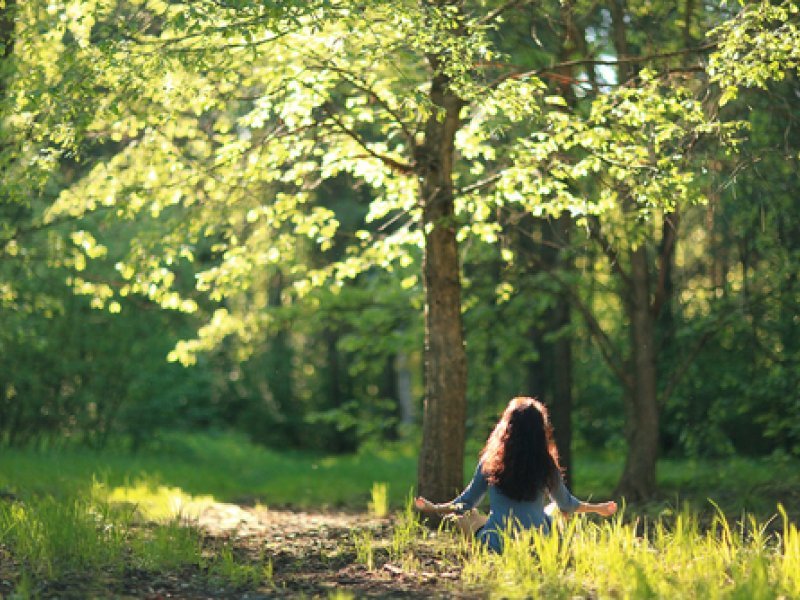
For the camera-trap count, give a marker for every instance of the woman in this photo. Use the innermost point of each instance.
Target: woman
(519, 468)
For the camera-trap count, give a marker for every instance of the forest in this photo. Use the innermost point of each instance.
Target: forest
(298, 255)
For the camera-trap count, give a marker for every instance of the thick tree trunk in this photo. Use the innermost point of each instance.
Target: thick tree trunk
(638, 479)
(441, 460)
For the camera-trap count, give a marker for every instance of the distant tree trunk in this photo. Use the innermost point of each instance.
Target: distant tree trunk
(638, 479)
(278, 390)
(550, 376)
(441, 460)
(387, 390)
(561, 407)
(405, 399)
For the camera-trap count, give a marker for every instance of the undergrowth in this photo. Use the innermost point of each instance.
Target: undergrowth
(100, 515)
(672, 557)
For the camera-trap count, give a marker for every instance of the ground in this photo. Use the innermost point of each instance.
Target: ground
(313, 555)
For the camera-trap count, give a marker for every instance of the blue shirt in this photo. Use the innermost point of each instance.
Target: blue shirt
(522, 514)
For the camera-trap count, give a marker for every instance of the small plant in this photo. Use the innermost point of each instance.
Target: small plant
(405, 531)
(365, 553)
(379, 505)
(228, 571)
(168, 546)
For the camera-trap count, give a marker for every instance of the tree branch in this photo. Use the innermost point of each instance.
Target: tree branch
(395, 165)
(624, 60)
(361, 85)
(492, 15)
(605, 344)
(478, 184)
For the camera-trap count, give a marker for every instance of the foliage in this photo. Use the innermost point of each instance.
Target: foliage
(249, 168)
(761, 44)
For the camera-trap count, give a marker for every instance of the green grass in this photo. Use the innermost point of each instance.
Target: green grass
(98, 514)
(226, 468)
(55, 537)
(673, 559)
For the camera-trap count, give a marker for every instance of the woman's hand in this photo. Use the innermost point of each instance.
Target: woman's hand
(606, 509)
(424, 505)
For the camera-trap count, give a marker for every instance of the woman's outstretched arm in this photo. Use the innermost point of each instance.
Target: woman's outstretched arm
(604, 509)
(445, 508)
(466, 500)
(570, 504)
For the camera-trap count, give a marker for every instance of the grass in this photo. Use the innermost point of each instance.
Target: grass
(226, 468)
(54, 537)
(101, 515)
(674, 558)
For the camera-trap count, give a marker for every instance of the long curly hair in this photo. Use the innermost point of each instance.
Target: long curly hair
(520, 457)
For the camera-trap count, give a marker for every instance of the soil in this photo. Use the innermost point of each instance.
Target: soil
(313, 555)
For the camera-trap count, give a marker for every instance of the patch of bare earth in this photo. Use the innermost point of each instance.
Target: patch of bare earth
(313, 554)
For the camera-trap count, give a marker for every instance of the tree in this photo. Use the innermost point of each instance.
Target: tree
(224, 120)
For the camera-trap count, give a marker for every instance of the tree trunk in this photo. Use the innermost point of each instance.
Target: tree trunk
(550, 376)
(638, 479)
(441, 460)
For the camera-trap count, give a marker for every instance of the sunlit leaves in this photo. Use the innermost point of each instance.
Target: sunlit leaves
(216, 126)
(760, 45)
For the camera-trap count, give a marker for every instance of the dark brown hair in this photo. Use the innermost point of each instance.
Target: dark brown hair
(520, 457)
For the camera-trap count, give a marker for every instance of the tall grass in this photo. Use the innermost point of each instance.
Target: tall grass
(85, 512)
(53, 537)
(671, 558)
(379, 505)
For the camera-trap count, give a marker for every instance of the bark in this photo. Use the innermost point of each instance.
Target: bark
(638, 480)
(441, 461)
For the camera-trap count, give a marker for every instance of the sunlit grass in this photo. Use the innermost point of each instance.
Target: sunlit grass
(52, 536)
(379, 505)
(101, 513)
(231, 469)
(237, 574)
(226, 467)
(673, 558)
(153, 502)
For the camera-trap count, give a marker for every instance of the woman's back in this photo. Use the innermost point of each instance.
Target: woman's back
(505, 512)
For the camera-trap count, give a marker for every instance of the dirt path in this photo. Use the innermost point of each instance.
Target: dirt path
(310, 554)
(313, 554)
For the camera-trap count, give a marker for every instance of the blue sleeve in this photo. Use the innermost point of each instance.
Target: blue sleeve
(560, 494)
(474, 492)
